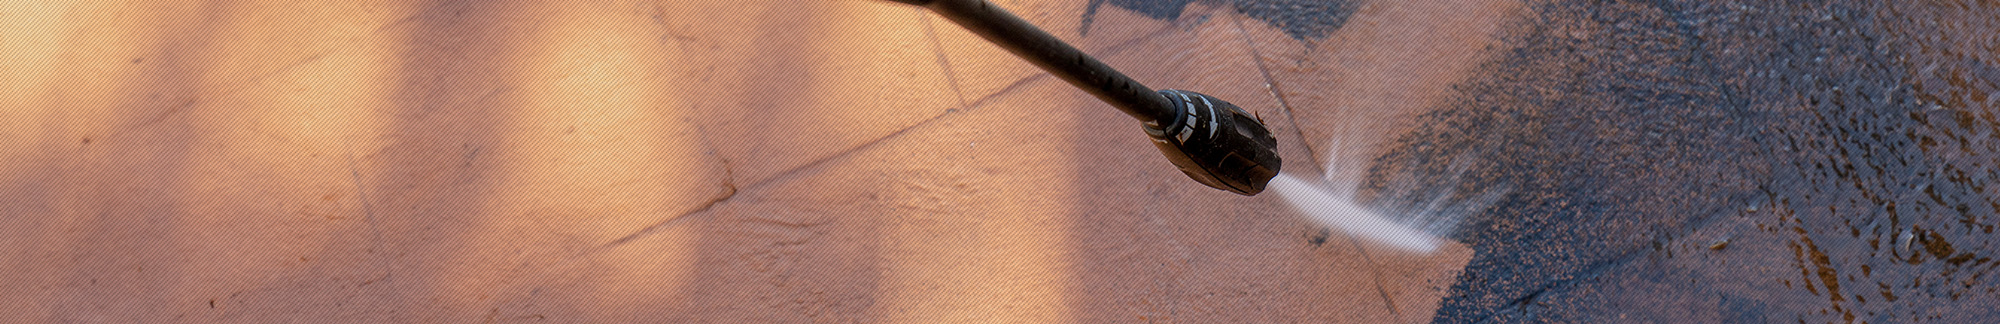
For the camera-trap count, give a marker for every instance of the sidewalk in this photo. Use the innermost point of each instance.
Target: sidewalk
(689, 161)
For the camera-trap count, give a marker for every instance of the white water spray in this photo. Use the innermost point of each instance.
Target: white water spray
(1412, 214)
(1322, 206)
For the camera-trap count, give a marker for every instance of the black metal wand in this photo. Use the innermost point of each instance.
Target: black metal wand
(1209, 139)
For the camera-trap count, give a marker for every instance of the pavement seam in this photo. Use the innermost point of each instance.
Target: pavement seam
(175, 110)
(944, 63)
(731, 189)
(1277, 92)
(368, 211)
(1376, 271)
(787, 174)
(557, 269)
(1271, 85)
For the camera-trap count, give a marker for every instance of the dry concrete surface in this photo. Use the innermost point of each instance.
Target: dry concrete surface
(680, 161)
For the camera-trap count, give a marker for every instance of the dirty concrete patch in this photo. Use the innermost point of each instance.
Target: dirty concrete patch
(1738, 162)
(1304, 20)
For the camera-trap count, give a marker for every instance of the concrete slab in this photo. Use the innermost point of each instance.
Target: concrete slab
(703, 161)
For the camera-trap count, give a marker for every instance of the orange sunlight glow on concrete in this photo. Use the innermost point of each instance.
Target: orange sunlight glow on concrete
(678, 161)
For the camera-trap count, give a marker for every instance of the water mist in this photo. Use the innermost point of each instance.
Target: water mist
(1414, 213)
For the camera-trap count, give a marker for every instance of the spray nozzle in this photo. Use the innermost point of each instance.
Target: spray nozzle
(1209, 139)
(1216, 143)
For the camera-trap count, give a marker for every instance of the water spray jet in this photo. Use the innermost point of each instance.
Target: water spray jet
(1323, 206)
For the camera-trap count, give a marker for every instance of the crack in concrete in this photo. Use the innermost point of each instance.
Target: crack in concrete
(315, 57)
(1271, 85)
(234, 87)
(237, 86)
(1009, 89)
(1016, 86)
(787, 224)
(222, 92)
(732, 189)
(368, 212)
(1377, 272)
(729, 191)
(176, 110)
(944, 62)
(1277, 92)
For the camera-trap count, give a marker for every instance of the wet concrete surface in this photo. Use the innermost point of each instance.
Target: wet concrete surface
(1723, 162)
(1302, 19)
(1665, 161)
(1691, 161)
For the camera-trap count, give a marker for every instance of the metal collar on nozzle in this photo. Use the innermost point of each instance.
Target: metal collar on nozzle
(1210, 140)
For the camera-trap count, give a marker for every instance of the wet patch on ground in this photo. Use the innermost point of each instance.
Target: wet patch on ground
(1715, 161)
(1302, 19)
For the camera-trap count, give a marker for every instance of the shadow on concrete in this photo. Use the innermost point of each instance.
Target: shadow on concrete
(761, 256)
(426, 193)
(108, 220)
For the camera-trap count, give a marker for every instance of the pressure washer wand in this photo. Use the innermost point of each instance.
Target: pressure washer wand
(1210, 140)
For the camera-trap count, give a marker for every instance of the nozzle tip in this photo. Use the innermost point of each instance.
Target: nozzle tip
(1216, 143)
